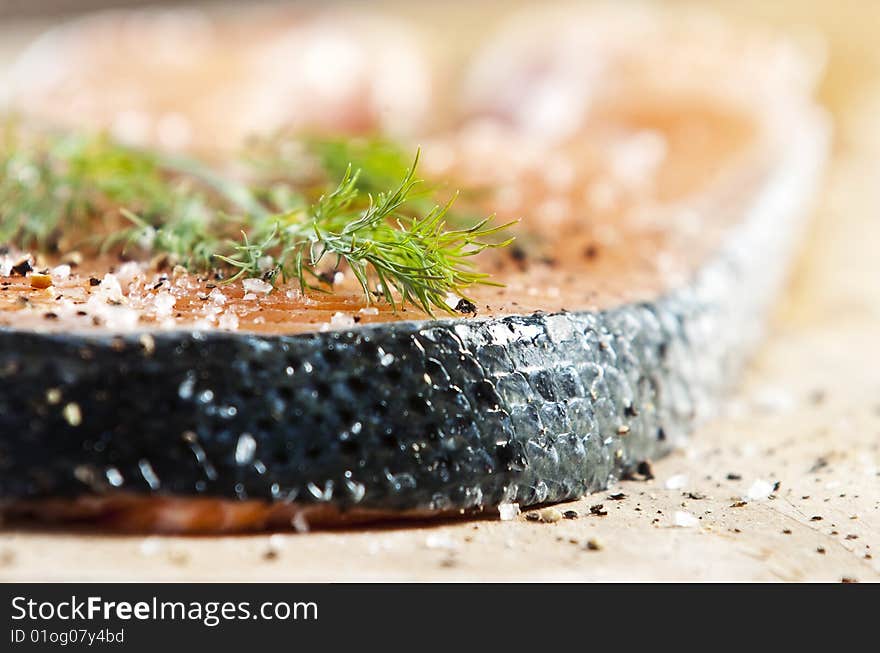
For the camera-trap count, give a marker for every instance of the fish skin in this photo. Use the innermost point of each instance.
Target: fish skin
(448, 416)
(453, 414)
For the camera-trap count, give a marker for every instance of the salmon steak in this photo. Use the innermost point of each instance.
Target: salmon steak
(361, 355)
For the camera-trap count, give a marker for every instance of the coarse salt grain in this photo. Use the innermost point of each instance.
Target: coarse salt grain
(256, 286)
(61, 272)
(151, 546)
(684, 519)
(342, 320)
(676, 482)
(164, 303)
(110, 289)
(275, 545)
(228, 321)
(113, 317)
(127, 272)
(760, 489)
(439, 541)
(508, 511)
(217, 297)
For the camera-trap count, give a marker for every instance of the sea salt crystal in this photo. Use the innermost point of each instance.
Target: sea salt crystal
(112, 316)
(256, 286)
(275, 545)
(164, 303)
(249, 297)
(211, 312)
(6, 264)
(110, 289)
(369, 310)
(61, 272)
(676, 482)
(440, 541)
(342, 320)
(508, 511)
(124, 319)
(760, 489)
(684, 519)
(228, 321)
(127, 272)
(217, 297)
(151, 546)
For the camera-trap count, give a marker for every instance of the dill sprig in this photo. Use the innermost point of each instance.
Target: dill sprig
(299, 222)
(74, 186)
(389, 252)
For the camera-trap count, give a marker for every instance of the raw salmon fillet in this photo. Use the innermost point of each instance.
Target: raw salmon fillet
(662, 168)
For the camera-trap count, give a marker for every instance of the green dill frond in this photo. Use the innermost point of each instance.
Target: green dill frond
(376, 220)
(54, 185)
(389, 252)
(382, 163)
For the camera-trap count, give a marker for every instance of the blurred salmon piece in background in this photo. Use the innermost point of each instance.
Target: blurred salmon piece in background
(181, 79)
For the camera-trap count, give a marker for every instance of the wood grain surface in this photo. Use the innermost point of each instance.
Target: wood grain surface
(807, 417)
